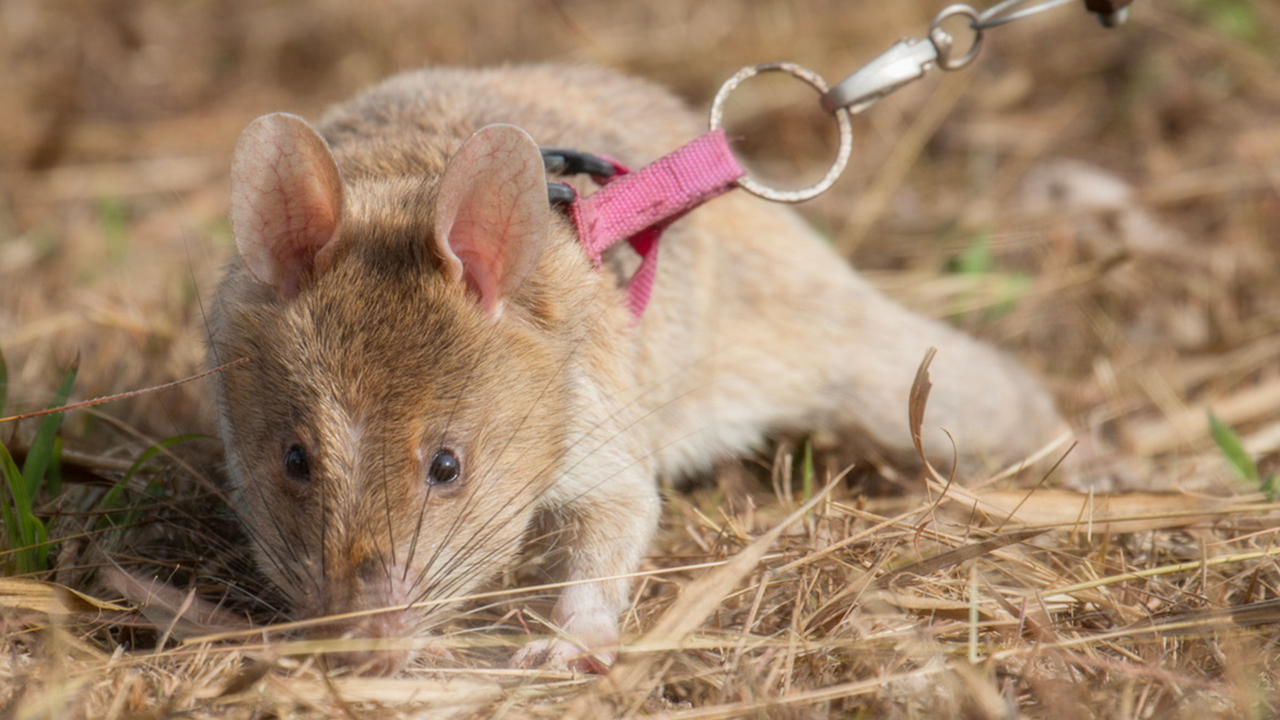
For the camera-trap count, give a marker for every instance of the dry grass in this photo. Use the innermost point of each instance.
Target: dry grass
(1145, 296)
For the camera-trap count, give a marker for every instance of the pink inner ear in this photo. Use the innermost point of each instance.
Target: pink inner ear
(483, 265)
(491, 213)
(286, 201)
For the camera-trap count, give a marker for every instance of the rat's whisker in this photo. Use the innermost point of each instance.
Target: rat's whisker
(413, 544)
(386, 506)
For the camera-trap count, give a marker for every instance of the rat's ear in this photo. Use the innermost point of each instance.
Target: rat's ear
(286, 201)
(491, 213)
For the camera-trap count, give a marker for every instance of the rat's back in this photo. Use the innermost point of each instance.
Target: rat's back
(420, 118)
(755, 324)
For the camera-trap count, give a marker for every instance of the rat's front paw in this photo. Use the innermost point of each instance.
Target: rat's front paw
(558, 653)
(589, 644)
(587, 639)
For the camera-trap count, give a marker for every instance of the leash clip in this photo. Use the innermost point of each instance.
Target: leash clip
(910, 58)
(906, 61)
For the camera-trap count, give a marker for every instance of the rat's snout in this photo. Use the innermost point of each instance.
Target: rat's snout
(380, 644)
(360, 574)
(362, 580)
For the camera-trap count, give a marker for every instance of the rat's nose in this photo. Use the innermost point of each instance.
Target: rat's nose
(369, 569)
(386, 644)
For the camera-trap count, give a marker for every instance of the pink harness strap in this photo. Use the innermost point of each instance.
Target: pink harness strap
(638, 206)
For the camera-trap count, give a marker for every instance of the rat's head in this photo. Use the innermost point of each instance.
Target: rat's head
(403, 407)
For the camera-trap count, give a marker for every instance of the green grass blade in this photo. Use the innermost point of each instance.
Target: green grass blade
(21, 526)
(38, 552)
(42, 447)
(976, 259)
(155, 492)
(53, 478)
(21, 500)
(1229, 442)
(1271, 486)
(4, 383)
(111, 500)
(12, 476)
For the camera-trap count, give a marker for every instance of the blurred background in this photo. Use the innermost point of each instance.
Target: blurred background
(1103, 203)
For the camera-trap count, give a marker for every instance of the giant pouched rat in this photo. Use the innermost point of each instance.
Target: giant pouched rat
(435, 367)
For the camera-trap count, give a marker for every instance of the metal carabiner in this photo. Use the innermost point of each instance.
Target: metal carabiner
(908, 60)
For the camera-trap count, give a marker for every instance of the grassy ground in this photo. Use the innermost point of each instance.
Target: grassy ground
(1104, 204)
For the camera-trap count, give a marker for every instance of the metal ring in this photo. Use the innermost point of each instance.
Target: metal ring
(842, 120)
(941, 39)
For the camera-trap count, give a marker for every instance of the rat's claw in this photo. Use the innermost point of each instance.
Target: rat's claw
(439, 652)
(586, 637)
(558, 653)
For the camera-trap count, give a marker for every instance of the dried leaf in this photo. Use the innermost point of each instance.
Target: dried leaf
(1096, 512)
(49, 598)
(171, 610)
(920, 389)
(956, 556)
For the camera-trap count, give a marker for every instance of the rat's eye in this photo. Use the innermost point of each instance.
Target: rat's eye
(296, 465)
(444, 468)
